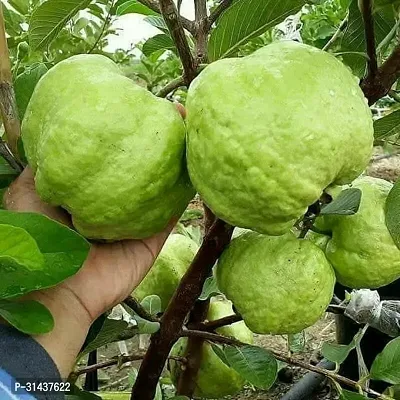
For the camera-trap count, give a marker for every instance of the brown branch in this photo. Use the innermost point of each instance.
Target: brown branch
(187, 377)
(171, 86)
(379, 86)
(223, 5)
(215, 338)
(8, 105)
(153, 5)
(183, 300)
(336, 309)
(139, 310)
(369, 29)
(6, 154)
(218, 323)
(115, 361)
(171, 17)
(202, 29)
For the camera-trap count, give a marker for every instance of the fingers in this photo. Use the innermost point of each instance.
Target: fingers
(21, 196)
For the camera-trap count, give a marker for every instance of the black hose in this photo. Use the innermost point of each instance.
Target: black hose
(308, 384)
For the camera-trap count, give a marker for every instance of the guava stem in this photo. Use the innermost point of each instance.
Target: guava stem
(139, 310)
(189, 289)
(218, 323)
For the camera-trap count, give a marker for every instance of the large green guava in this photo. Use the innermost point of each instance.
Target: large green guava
(267, 133)
(106, 149)
(361, 250)
(168, 269)
(278, 284)
(215, 379)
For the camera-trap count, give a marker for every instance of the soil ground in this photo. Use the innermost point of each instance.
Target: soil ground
(384, 166)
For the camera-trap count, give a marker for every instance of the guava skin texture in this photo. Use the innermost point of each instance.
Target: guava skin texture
(168, 269)
(278, 284)
(267, 133)
(215, 379)
(361, 250)
(106, 150)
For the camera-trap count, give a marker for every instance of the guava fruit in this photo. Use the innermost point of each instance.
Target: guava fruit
(106, 150)
(215, 379)
(278, 284)
(361, 250)
(168, 269)
(267, 133)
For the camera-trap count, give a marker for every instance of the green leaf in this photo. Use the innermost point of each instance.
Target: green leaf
(337, 353)
(22, 6)
(387, 126)
(246, 19)
(158, 22)
(49, 18)
(7, 174)
(210, 289)
(158, 42)
(134, 7)
(347, 395)
(152, 304)
(30, 317)
(353, 40)
(108, 333)
(219, 351)
(386, 366)
(257, 365)
(12, 21)
(393, 391)
(190, 215)
(297, 342)
(347, 203)
(25, 84)
(63, 251)
(392, 214)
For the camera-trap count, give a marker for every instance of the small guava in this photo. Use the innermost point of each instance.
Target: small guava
(214, 379)
(105, 149)
(361, 250)
(267, 133)
(278, 284)
(168, 269)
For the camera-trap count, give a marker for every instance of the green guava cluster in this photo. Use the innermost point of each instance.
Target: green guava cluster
(215, 379)
(361, 249)
(267, 133)
(168, 269)
(107, 150)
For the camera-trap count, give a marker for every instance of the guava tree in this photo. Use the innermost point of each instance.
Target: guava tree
(300, 217)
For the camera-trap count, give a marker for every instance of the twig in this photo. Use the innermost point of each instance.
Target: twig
(120, 360)
(183, 300)
(171, 17)
(153, 5)
(106, 22)
(218, 323)
(336, 309)
(215, 338)
(139, 310)
(8, 105)
(171, 86)
(223, 5)
(336, 35)
(6, 154)
(369, 29)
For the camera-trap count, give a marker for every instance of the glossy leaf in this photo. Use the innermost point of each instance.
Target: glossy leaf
(49, 18)
(22, 6)
(392, 213)
(210, 289)
(158, 42)
(62, 249)
(347, 395)
(347, 203)
(246, 19)
(7, 174)
(158, 22)
(257, 365)
(387, 126)
(386, 366)
(337, 353)
(152, 304)
(28, 316)
(134, 7)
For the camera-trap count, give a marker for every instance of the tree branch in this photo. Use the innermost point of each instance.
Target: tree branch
(223, 5)
(218, 323)
(369, 29)
(6, 154)
(8, 105)
(172, 19)
(171, 86)
(153, 5)
(202, 29)
(215, 338)
(139, 310)
(115, 361)
(183, 300)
